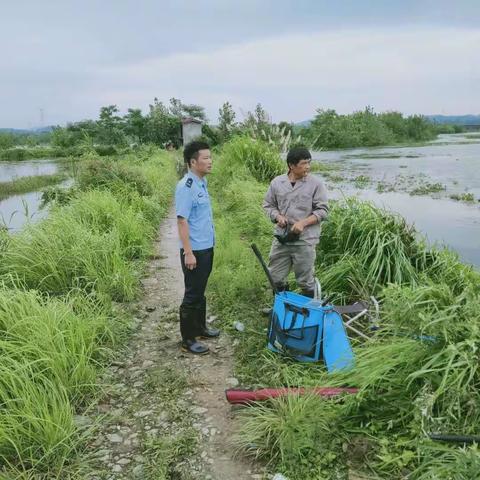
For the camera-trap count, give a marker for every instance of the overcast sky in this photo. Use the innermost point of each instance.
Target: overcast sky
(71, 57)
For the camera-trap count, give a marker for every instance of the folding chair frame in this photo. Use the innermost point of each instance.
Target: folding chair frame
(360, 309)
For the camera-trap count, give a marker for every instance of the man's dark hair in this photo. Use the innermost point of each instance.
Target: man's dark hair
(191, 150)
(296, 154)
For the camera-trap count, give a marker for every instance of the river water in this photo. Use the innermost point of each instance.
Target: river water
(452, 162)
(17, 210)
(28, 168)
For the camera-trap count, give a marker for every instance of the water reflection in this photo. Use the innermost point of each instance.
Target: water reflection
(452, 160)
(28, 168)
(17, 210)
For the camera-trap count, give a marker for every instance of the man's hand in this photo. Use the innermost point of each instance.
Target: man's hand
(190, 260)
(298, 227)
(281, 220)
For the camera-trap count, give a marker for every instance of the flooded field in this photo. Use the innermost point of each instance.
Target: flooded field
(28, 168)
(16, 210)
(418, 183)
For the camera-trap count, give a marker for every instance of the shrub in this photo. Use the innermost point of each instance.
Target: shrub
(113, 174)
(261, 160)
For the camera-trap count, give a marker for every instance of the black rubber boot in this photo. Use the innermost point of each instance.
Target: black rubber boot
(203, 329)
(188, 330)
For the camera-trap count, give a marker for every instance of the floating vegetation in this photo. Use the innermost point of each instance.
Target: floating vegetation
(362, 181)
(463, 197)
(28, 184)
(370, 155)
(427, 188)
(325, 168)
(335, 178)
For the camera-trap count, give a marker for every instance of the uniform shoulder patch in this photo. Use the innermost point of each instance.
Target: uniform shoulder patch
(189, 182)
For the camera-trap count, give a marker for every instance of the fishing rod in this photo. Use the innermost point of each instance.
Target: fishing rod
(454, 438)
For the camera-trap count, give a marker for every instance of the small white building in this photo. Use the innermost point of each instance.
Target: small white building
(191, 129)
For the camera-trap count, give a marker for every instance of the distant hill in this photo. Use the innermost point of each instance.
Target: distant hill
(27, 131)
(305, 123)
(18, 131)
(455, 119)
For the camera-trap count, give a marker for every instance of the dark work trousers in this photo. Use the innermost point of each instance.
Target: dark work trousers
(195, 285)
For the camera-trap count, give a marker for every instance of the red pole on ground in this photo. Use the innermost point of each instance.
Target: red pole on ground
(244, 397)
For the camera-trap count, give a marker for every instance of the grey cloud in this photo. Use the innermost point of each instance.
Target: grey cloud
(64, 55)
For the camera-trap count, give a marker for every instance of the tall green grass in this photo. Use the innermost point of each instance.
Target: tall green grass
(295, 434)
(51, 350)
(382, 244)
(444, 463)
(256, 157)
(58, 324)
(418, 375)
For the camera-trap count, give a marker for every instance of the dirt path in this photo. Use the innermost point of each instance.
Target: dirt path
(160, 397)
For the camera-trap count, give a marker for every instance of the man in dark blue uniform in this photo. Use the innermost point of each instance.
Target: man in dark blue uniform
(197, 238)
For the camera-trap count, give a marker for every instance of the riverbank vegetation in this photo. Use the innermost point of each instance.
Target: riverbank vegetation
(18, 154)
(330, 130)
(113, 133)
(417, 376)
(12, 138)
(63, 285)
(28, 184)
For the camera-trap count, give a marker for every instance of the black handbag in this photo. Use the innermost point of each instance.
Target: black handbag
(287, 235)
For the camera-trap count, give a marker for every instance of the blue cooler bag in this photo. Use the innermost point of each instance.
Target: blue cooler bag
(296, 327)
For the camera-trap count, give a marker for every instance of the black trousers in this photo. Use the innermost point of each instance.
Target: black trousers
(194, 305)
(196, 280)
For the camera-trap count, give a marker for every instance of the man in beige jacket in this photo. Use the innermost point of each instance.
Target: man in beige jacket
(297, 203)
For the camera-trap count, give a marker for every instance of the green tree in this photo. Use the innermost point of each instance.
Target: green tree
(180, 110)
(7, 140)
(370, 130)
(327, 130)
(396, 123)
(136, 125)
(161, 125)
(61, 137)
(32, 140)
(419, 128)
(226, 120)
(111, 127)
(366, 128)
(176, 107)
(72, 134)
(195, 111)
